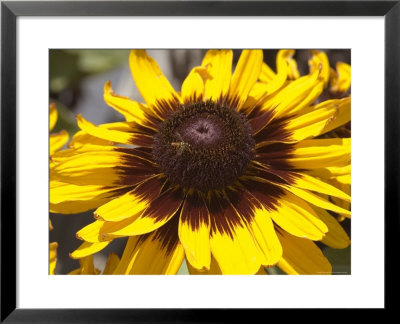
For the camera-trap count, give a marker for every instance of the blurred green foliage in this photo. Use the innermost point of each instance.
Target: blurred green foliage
(340, 260)
(68, 67)
(66, 120)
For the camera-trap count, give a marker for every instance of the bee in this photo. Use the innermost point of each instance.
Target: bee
(181, 145)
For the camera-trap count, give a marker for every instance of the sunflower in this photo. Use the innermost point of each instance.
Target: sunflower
(227, 173)
(57, 141)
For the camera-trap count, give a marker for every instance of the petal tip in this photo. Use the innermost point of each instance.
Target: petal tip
(107, 87)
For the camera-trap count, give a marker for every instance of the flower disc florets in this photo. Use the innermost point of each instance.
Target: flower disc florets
(204, 145)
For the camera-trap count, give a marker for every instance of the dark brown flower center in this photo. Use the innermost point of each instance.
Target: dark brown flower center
(204, 145)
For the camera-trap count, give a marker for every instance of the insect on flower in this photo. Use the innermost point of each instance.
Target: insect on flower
(181, 145)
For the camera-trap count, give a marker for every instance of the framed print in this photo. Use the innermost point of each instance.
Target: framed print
(224, 139)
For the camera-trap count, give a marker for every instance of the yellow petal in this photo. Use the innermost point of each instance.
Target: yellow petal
(293, 73)
(87, 248)
(131, 203)
(159, 252)
(193, 86)
(310, 183)
(128, 257)
(86, 267)
(52, 257)
(131, 110)
(258, 92)
(286, 67)
(92, 233)
(214, 269)
(295, 96)
(245, 76)
(150, 81)
(67, 198)
(317, 200)
(331, 172)
(262, 271)
(107, 134)
(81, 139)
(159, 212)
(266, 74)
(219, 67)
(302, 256)
(265, 235)
(53, 116)
(320, 153)
(105, 167)
(284, 71)
(336, 237)
(57, 141)
(194, 232)
(236, 252)
(319, 62)
(295, 216)
(322, 119)
(345, 188)
(111, 265)
(152, 258)
(341, 79)
(65, 155)
(100, 175)
(259, 223)
(344, 179)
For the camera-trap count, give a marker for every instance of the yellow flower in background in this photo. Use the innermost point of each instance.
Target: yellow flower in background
(228, 173)
(57, 141)
(340, 79)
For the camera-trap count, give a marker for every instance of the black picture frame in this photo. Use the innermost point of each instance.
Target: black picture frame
(10, 10)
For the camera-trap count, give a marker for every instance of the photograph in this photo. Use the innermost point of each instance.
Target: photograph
(145, 144)
(200, 161)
